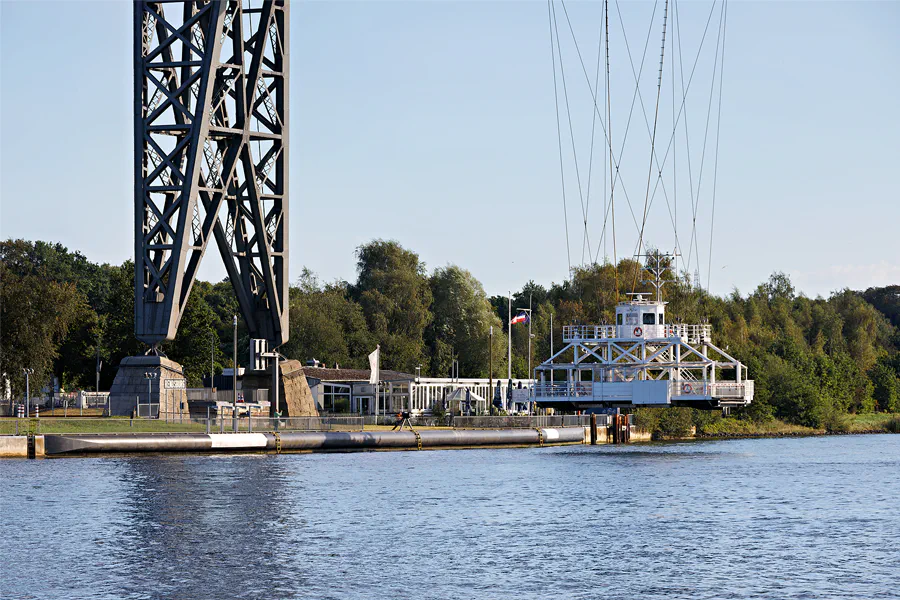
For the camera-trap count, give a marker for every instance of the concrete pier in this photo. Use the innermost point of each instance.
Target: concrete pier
(164, 394)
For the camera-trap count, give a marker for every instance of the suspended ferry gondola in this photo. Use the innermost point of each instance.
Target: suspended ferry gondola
(642, 360)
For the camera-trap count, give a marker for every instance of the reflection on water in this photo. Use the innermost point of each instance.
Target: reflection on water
(787, 518)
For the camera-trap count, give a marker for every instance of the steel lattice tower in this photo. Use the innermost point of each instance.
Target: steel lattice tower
(211, 158)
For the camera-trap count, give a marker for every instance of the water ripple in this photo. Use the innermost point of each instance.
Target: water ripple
(781, 518)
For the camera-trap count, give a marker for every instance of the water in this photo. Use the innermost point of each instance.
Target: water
(780, 518)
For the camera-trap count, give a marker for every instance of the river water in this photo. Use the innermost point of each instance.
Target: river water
(772, 518)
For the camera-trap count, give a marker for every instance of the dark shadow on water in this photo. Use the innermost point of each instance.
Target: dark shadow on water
(197, 519)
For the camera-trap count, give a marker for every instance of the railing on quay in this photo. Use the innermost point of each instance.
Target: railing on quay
(414, 420)
(524, 421)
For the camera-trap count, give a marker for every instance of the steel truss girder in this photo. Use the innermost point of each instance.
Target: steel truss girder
(643, 354)
(211, 158)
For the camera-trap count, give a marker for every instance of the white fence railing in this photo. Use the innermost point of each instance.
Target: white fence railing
(692, 334)
(677, 388)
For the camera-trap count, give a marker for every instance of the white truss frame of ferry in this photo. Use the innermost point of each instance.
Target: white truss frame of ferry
(641, 361)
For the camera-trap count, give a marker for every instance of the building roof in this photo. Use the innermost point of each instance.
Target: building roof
(354, 374)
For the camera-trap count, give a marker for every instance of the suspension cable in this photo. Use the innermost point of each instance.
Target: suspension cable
(618, 175)
(562, 72)
(662, 54)
(609, 130)
(562, 175)
(716, 162)
(694, 237)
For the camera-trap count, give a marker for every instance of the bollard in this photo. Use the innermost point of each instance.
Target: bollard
(593, 429)
(37, 411)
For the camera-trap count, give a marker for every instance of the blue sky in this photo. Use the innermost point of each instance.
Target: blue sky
(433, 123)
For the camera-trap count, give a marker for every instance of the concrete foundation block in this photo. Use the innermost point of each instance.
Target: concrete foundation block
(296, 399)
(13, 446)
(166, 393)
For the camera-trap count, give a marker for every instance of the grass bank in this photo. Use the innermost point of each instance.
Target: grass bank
(868, 423)
(8, 426)
(683, 423)
(95, 425)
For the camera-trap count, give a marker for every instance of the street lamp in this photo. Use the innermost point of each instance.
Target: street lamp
(528, 312)
(149, 376)
(28, 374)
(234, 416)
(490, 399)
(275, 356)
(212, 357)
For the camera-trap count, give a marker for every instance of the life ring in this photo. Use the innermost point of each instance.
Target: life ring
(638, 332)
(686, 388)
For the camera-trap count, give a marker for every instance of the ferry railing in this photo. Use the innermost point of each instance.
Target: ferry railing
(690, 333)
(556, 390)
(572, 333)
(720, 389)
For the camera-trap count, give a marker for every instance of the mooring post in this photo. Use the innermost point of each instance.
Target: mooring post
(593, 429)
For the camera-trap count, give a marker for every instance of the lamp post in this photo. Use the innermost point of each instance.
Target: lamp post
(212, 357)
(276, 357)
(99, 366)
(528, 312)
(234, 417)
(490, 399)
(149, 376)
(28, 374)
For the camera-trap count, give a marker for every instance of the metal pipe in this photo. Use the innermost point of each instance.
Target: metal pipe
(326, 440)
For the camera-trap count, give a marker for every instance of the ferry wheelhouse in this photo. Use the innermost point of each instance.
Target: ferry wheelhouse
(642, 360)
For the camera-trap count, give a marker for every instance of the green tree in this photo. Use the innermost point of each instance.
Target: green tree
(886, 387)
(196, 347)
(463, 317)
(35, 316)
(326, 324)
(393, 290)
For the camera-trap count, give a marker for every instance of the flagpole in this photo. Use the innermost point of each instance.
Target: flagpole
(529, 348)
(491, 370)
(509, 348)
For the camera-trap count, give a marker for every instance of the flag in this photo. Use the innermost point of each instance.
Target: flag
(520, 318)
(374, 362)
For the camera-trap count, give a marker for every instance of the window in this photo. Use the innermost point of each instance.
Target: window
(619, 319)
(662, 320)
(649, 318)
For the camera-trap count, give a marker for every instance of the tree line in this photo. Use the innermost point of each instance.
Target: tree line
(811, 358)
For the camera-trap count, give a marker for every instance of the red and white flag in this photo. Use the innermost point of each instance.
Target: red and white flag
(520, 318)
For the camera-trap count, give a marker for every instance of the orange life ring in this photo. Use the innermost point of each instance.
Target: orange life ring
(686, 388)
(638, 332)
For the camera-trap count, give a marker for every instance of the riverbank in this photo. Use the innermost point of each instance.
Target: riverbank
(846, 424)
